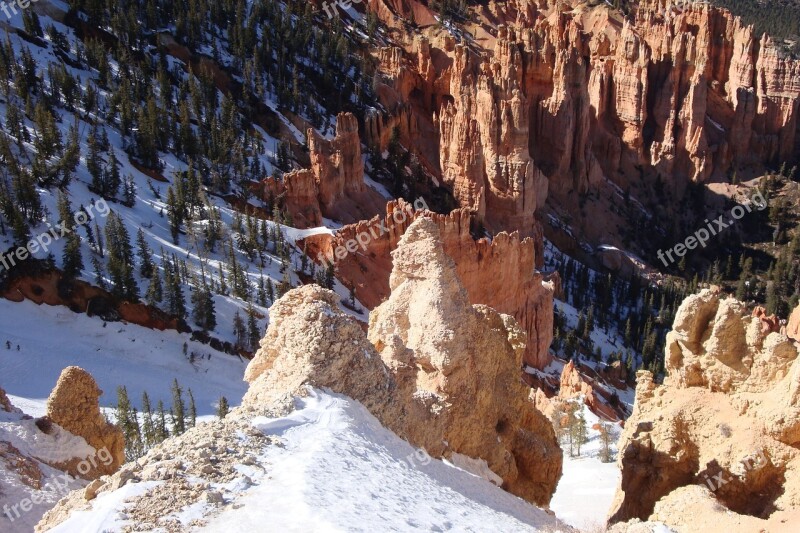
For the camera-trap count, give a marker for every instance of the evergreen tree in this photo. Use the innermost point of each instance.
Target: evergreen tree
(128, 422)
(203, 312)
(578, 430)
(192, 410)
(253, 333)
(270, 291)
(176, 305)
(128, 191)
(161, 423)
(120, 259)
(148, 425)
(155, 293)
(178, 409)
(222, 407)
(72, 260)
(239, 330)
(606, 439)
(173, 215)
(145, 255)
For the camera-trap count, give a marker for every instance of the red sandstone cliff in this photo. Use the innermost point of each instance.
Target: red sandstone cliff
(549, 98)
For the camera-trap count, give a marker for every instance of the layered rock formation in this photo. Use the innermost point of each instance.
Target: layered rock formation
(500, 273)
(334, 185)
(726, 419)
(73, 405)
(445, 375)
(550, 97)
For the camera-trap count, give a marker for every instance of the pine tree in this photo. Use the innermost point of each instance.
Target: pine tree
(111, 177)
(606, 439)
(128, 422)
(120, 259)
(93, 161)
(192, 410)
(262, 292)
(128, 191)
(239, 330)
(178, 409)
(203, 312)
(176, 304)
(222, 407)
(174, 215)
(72, 261)
(270, 291)
(155, 293)
(148, 425)
(253, 334)
(161, 423)
(579, 430)
(145, 255)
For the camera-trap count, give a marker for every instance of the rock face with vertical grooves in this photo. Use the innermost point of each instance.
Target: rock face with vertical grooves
(551, 97)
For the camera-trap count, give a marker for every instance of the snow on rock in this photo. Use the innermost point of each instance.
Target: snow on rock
(29, 485)
(325, 464)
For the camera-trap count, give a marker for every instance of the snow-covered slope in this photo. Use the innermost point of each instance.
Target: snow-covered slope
(116, 354)
(586, 489)
(335, 469)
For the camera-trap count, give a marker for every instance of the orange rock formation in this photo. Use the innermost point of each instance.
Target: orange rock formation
(550, 97)
(500, 273)
(334, 185)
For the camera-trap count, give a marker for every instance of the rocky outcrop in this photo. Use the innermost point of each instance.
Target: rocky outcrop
(500, 272)
(299, 192)
(184, 467)
(337, 164)
(444, 377)
(769, 323)
(334, 185)
(310, 341)
(443, 374)
(457, 368)
(73, 405)
(727, 418)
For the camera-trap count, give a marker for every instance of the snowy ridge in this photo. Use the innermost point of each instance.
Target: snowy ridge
(338, 469)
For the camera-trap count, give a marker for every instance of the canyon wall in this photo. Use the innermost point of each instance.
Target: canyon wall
(548, 98)
(722, 431)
